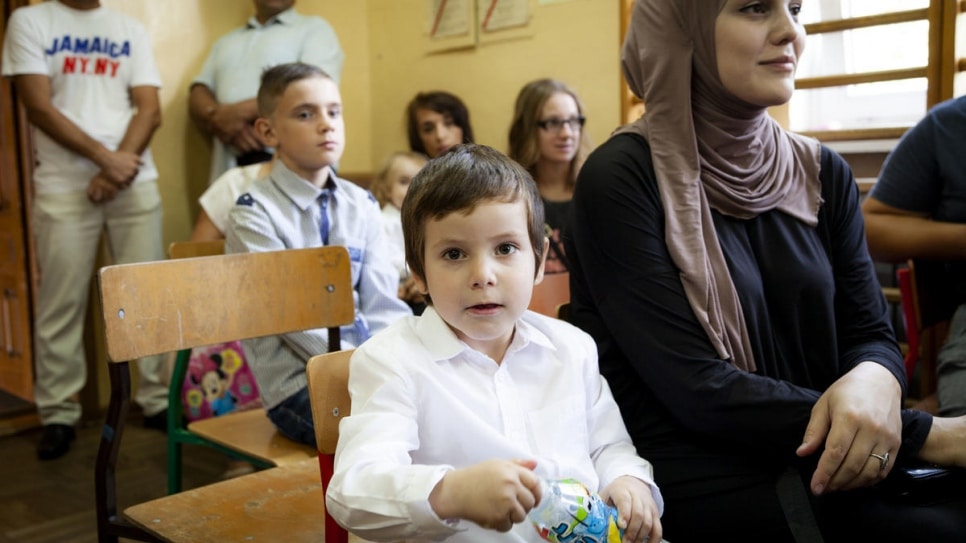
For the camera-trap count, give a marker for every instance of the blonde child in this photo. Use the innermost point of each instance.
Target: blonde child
(390, 188)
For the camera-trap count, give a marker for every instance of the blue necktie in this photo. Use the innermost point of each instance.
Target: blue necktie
(324, 223)
(359, 326)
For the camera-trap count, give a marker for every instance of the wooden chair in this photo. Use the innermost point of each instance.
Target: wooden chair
(563, 311)
(328, 376)
(550, 293)
(158, 307)
(246, 435)
(178, 434)
(927, 307)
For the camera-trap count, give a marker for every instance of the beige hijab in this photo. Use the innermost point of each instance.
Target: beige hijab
(710, 150)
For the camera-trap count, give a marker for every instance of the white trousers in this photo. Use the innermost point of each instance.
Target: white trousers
(67, 229)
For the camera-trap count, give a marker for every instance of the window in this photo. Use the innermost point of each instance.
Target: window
(871, 68)
(862, 39)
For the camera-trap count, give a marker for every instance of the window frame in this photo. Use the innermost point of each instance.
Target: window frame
(939, 72)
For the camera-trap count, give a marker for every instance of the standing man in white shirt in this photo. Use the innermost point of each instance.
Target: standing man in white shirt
(87, 78)
(222, 97)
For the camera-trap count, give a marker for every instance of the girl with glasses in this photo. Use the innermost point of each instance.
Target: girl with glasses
(547, 138)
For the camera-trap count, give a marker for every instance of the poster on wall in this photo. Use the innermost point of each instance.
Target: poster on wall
(502, 14)
(500, 20)
(450, 24)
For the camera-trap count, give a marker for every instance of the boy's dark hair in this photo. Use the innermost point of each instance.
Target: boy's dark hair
(459, 180)
(277, 78)
(443, 103)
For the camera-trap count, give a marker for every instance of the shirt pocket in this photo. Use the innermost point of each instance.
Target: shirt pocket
(357, 254)
(559, 430)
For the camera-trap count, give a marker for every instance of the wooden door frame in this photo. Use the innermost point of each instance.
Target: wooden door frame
(16, 169)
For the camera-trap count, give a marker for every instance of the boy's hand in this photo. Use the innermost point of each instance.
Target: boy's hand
(495, 494)
(637, 513)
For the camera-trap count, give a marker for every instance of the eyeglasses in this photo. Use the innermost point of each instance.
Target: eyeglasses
(556, 125)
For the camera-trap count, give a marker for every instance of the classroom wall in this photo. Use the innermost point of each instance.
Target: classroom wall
(386, 64)
(576, 41)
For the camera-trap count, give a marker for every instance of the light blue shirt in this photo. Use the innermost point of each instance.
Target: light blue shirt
(281, 212)
(234, 67)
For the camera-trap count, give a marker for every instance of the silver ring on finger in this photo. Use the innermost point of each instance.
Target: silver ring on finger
(882, 458)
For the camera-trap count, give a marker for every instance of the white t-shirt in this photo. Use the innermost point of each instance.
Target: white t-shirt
(221, 196)
(93, 58)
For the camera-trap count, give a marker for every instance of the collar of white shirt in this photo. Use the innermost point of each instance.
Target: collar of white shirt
(441, 341)
(286, 17)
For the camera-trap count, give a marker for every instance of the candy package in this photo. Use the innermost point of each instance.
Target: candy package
(570, 513)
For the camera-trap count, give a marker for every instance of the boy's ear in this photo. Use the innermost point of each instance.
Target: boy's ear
(265, 130)
(538, 278)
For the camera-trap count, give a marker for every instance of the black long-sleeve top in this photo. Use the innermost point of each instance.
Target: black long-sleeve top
(813, 308)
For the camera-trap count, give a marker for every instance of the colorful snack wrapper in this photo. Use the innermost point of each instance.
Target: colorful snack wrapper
(570, 513)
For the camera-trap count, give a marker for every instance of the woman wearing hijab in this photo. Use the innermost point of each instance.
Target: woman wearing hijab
(720, 263)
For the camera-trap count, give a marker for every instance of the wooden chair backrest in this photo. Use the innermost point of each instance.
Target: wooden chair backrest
(169, 305)
(928, 304)
(158, 307)
(936, 292)
(191, 249)
(328, 376)
(550, 293)
(563, 312)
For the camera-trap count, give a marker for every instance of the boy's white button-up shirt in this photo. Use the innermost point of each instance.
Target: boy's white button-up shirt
(424, 402)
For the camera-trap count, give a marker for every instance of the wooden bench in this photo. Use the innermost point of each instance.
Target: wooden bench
(158, 307)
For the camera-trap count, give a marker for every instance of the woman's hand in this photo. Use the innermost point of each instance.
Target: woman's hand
(859, 415)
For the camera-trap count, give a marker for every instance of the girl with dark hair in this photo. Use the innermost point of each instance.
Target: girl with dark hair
(436, 121)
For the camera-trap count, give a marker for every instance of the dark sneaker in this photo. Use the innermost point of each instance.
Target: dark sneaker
(55, 441)
(158, 421)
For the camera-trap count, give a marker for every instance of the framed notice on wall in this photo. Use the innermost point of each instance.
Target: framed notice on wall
(450, 24)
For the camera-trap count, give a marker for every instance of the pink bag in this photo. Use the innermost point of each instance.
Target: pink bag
(218, 381)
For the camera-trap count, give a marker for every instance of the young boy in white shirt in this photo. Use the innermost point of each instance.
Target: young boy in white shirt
(457, 414)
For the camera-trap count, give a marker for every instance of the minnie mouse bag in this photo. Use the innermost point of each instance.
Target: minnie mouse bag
(218, 381)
